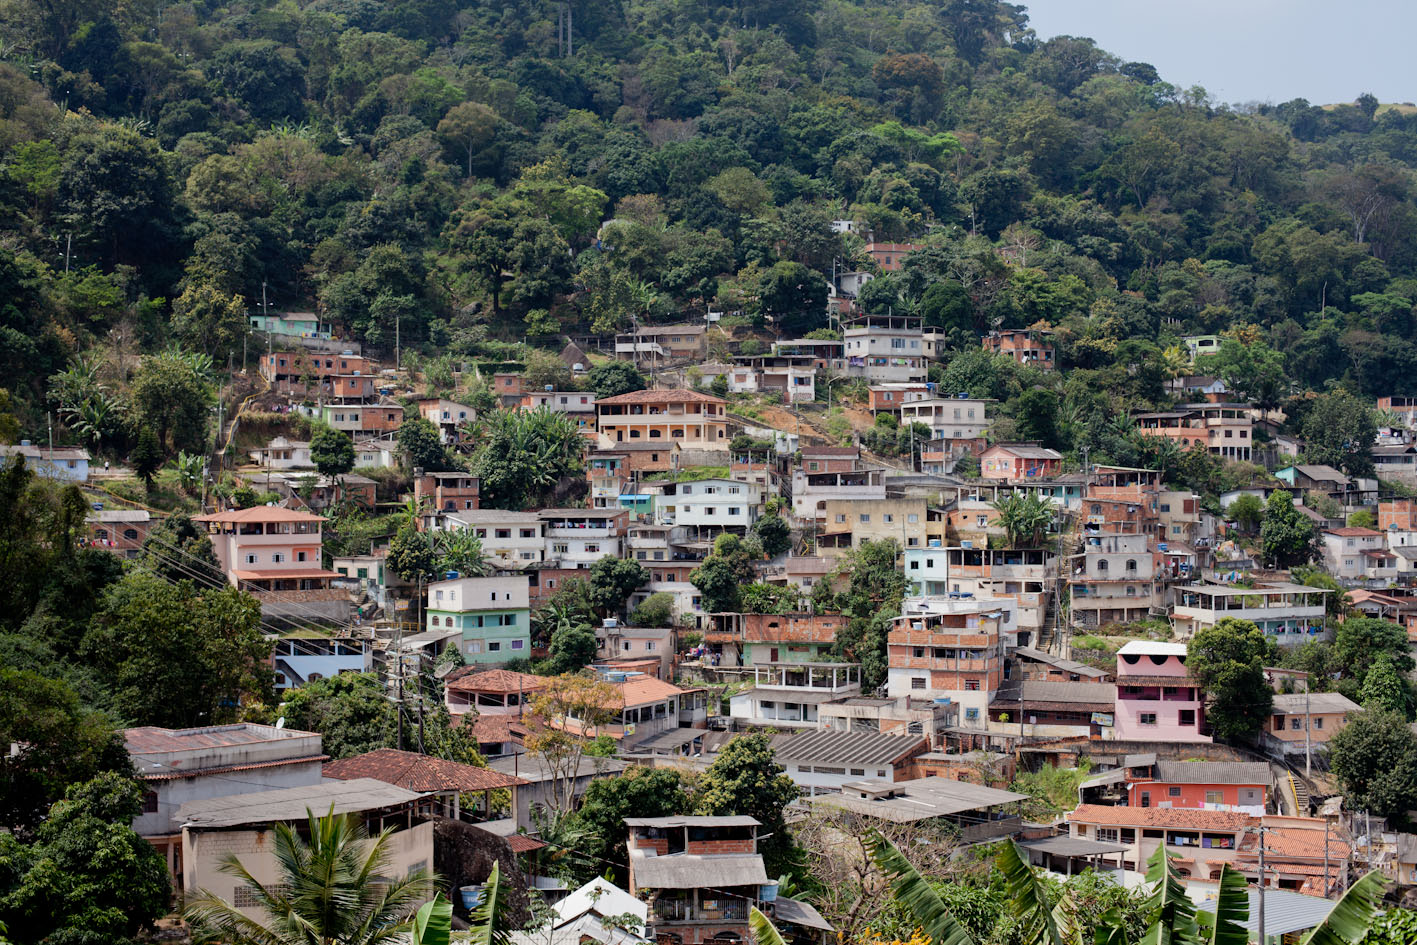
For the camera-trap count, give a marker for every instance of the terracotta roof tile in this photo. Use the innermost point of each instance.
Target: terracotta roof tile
(415, 772)
(259, 513)
(1173, 817)
(500, 681)
(644, 689)
(521, 843)
(1353, 532)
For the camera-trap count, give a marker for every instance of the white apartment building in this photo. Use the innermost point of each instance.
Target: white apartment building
(578, 538)
(884, 348)
(1292, 613)
(1113, 580)
(511, 539)
(711, 503)
(954, 418)
(447, 416)
(786, 695)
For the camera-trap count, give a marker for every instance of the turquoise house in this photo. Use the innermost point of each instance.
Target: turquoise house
(493, 615)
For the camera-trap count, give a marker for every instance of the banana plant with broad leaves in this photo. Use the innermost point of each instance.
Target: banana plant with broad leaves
(1172, 918)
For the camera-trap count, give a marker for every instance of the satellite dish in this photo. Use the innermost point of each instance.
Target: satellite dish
(280, 722)
(441, 671)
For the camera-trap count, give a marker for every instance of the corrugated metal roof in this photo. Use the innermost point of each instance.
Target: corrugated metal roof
(1293, 703)
(1284, 911)
(860, 748)
(688, 871)
(293, 804)
(923, 799)
(1074, 846)
(1213, 772)
(792, 912)
(1071, 666)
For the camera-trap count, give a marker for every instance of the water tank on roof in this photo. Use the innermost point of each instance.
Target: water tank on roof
(450, 575)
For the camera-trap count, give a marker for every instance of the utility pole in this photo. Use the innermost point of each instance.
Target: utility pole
(1327, 886)
(1308, 746)
(1261, 890)
(397, 362)
(69, 241)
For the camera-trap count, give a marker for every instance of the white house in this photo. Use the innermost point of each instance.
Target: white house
(578, 538)
(376, 453)
(821, 762)
(64, 463)
(283, 453)
(447, 416)
(512, 539)
(1355, 554)
(713, 503)
(786, 695)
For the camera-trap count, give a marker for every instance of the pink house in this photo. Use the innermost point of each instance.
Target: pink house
(275, 554)
(1019, 461)
(1156, 700)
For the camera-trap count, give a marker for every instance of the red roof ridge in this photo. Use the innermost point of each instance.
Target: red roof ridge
(415, 772)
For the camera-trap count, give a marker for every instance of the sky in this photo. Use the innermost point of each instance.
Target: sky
(1253, 50)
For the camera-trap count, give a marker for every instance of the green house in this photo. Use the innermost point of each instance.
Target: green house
(493, 615)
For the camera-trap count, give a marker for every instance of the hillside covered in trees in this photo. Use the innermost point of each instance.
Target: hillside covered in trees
(447, 168)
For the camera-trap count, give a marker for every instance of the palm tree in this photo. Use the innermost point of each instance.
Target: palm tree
(1024, 517)
(1171, 916)
(332, 890)
(491, 919)
(460, 550)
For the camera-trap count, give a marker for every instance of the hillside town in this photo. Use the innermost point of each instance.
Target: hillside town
(857, 472)
(696, 578)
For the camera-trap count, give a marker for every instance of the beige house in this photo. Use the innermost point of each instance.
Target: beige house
(244, 825)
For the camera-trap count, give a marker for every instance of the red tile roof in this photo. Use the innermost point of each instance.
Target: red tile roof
(500, 681)
(676, 396)
(1165, 817)
(644, 689)
(259, 513)
(415, 772)
(521, 843)
(1297, 842)
(1351, 532)
(270, 574)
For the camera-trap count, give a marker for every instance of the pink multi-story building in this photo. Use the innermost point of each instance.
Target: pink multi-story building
(274, 553)
(1157, 701)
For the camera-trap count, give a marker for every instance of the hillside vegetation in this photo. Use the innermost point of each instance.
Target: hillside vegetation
(443, 170)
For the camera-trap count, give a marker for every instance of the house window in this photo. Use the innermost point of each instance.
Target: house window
(1215, 797)
(149, 802)
(1296, 723)
(493, 646)
(277, 557)
(971, 713)
(1107, 834)
(1318, 721)
(1173, 791)
(300, 556)
(250, 559)
(971, 685)
(865, 519)
(1147, 718)
(917, 682)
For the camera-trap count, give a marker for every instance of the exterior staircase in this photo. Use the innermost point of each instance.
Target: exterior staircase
(1299, 793)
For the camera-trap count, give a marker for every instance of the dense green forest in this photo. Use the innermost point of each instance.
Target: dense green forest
(448, 167)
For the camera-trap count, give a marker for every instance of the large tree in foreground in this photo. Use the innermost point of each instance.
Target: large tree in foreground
(337, 888)
(1227, 660)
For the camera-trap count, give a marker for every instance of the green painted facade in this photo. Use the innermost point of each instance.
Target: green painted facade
(488, 636)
